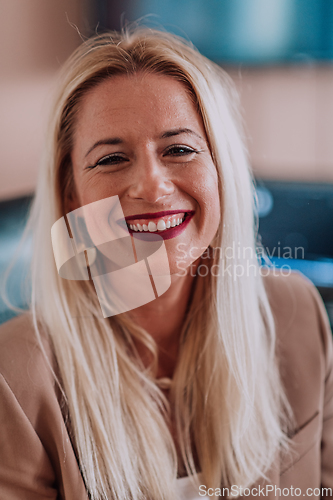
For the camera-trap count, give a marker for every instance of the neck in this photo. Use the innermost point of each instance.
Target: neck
(163, 319)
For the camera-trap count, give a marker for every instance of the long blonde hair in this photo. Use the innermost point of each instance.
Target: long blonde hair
(227, 400)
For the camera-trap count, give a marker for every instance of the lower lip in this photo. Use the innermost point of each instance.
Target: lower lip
(167, 234)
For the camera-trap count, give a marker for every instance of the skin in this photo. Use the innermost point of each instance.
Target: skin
(150, 173)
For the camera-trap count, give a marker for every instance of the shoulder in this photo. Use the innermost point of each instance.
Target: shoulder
(37, 458)
(289, 292)
(26, 365)
(15, 335)
(296, 305)
(19, 343)
(303, 340)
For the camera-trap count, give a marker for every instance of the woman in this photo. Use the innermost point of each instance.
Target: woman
(226, 374)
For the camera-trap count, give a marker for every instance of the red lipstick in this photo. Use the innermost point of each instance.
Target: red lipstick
(166, 233)
(156, 215)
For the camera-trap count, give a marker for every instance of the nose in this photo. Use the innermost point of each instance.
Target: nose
(150, 180)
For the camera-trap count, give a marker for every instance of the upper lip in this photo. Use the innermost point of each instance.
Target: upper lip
(156, 215)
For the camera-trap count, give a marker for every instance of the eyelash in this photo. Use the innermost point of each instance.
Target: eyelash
(175, 150)
(107, 160)
(186, 150)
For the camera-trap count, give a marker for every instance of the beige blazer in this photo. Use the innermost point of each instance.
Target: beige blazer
(37, 460)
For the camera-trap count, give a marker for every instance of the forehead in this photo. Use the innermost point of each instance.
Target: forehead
(137, 103)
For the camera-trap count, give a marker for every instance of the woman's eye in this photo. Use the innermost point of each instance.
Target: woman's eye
(114, 159)
(179, 151)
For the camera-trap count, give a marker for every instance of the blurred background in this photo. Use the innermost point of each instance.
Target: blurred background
(279, 54)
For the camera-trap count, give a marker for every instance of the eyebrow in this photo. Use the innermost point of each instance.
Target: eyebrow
(178, 131)
(112, 141)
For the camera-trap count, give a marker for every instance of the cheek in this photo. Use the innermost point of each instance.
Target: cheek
(93, 189)
(215, 201)
(205, 190)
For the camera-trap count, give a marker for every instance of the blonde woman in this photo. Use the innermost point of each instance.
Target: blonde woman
(220, 386)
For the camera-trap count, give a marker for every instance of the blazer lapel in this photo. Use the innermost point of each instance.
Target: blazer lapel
(268, 488)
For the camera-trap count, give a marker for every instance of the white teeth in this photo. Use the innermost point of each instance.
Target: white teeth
(161, 225)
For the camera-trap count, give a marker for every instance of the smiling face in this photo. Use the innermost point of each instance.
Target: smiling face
(141, 138)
